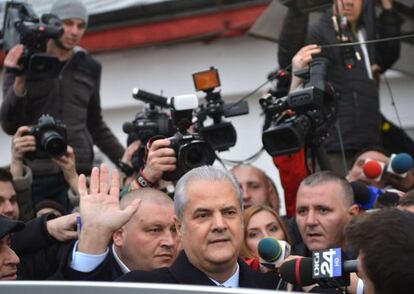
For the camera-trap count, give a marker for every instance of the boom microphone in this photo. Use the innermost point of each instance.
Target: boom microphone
(181, 102)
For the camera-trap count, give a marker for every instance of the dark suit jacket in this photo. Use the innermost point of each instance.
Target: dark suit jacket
(183, 272)
(180, 272)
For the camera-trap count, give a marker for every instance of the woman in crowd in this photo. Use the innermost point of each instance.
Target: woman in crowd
(260, 222)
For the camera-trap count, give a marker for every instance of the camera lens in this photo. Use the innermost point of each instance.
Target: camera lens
(53, 143)
(197, 153)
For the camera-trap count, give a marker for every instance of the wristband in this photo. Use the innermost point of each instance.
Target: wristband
(142, 181)
(125, 168)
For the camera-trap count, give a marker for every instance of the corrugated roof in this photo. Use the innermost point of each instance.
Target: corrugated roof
(94, 6)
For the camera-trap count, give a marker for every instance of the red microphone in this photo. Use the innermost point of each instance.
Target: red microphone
(373, 169)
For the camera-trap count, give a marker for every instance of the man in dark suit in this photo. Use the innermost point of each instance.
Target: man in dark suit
(208, 208)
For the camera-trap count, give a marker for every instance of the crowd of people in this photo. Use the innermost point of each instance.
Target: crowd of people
(63, 219)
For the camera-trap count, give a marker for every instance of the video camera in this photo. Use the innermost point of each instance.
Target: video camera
(221, 135)
(22, 26)
(191, 150)
(302, 117)
(51, 140)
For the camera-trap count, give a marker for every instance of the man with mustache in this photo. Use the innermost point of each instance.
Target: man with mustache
(208, 207)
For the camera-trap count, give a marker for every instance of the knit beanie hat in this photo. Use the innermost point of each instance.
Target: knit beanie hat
(68, 9)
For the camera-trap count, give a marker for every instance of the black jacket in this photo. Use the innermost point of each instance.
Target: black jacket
(358, 106)
(72, 97)
(183, 272)
(180, 272)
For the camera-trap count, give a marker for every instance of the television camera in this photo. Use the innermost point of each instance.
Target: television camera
(303, 117)
(190, 149)
(22, 26)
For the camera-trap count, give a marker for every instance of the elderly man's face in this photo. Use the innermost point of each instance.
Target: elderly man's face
(8, 201)
(321, 215)
(8, 260)
(212, 227)
(149, 240)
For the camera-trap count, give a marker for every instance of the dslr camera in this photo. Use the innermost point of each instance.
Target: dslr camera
(303, 117)
(191, 150)
(51, 139)
(146, 125)
(22, 26)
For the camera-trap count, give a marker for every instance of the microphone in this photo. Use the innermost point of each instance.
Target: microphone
(361, 193)
(325, 268)
(272, 252)
(400, 164)
(298, 271)
(180, 102)
(373, 169)
(365, 196)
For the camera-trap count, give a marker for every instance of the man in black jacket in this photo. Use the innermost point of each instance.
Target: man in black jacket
(208, 208)
(353, 73)
(72, 97)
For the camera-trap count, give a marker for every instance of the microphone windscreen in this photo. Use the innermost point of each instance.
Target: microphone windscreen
(298, 271)
(372, 169)
(361, 192)
(127, 127)
(269, 249)
(402, 163)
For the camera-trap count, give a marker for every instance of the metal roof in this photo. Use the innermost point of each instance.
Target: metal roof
(93, 6)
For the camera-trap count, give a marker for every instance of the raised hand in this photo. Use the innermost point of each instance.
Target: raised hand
(100, 211)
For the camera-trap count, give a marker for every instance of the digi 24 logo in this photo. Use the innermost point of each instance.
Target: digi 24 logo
(327, 263)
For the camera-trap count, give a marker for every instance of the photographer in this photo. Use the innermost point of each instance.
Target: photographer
(72, 97)
(359, 118)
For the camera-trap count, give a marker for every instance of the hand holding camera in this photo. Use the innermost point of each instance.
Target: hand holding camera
(161, 158)
(50, 135)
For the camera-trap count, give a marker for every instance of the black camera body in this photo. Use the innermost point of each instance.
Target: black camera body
(191, 152)
(146, 125)
(51, 139)
(302, 117)
(22, 26)
(221, 134)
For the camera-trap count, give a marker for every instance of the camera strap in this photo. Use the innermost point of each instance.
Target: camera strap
(14, 70)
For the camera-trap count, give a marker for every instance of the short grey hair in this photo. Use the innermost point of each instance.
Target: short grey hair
(203, 173)
(324, 177)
